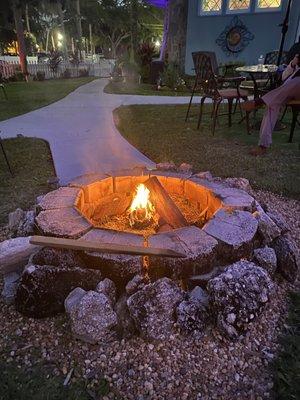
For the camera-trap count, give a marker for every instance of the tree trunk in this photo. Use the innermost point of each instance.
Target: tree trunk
(27, 18)
(134, 32)
(62, 28)
(78, 28)
(17, 11)
(47, 40)
(164, 45)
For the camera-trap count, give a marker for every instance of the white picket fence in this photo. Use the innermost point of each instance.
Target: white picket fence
(102, 69)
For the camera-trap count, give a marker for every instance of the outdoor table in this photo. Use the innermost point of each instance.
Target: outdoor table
(258, 71)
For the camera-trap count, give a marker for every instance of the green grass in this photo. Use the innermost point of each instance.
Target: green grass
(39, 383)
(24, 97)
(161, 133)
(32, 166)
(143, 89)
(287, 365)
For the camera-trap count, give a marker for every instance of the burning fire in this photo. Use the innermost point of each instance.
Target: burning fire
(141, 209)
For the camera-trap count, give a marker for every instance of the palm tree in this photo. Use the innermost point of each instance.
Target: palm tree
(17, 12)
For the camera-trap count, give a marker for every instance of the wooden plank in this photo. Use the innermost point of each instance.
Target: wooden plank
(164, 205)
(110, 248)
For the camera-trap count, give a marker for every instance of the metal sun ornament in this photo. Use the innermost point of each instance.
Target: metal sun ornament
(235, 37)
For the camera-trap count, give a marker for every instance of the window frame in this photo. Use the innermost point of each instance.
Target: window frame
(210, 13)
(267, 9)
(242, 11)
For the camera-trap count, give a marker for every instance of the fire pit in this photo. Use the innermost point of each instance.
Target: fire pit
(208, 221)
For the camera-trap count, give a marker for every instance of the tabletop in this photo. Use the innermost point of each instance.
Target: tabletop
(253, 69)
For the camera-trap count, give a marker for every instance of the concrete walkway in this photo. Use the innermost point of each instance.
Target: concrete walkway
(81, 131)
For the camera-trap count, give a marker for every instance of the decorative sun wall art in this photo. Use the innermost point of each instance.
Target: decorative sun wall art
(235, 37)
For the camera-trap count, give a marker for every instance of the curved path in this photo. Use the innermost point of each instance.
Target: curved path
(81, 131)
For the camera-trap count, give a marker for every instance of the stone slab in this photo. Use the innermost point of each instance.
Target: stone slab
(65, 222)
(201, 250)
(120, 268)
(60, 198)
(235, 230)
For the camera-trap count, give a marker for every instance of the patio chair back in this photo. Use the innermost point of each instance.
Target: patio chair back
(211, 54)
(271, 57)
(205, 73)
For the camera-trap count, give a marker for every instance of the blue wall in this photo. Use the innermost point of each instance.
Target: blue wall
(202, 32)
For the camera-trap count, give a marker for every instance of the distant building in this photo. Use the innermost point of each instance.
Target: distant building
(234, 29)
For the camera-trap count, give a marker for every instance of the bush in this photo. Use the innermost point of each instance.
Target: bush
(18, 76)
(83, 72)
(66, 74)
(145, 53)
(54, 60)
(170, 77)
(40, 76)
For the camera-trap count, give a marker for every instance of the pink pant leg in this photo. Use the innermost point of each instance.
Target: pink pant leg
(274, 100)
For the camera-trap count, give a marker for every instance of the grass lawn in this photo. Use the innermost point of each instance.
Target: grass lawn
(32, 165)
(144, 89)
(161, 133)
(24, 97)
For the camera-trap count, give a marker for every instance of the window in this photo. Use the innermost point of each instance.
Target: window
(268, 5)
(235, 6)
(210, 7)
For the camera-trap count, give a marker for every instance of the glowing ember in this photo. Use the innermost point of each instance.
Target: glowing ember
(141, 209)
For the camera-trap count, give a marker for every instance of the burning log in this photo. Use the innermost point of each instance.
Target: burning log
(164, 205)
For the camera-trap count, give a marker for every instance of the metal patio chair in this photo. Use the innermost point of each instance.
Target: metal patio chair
(209, 84)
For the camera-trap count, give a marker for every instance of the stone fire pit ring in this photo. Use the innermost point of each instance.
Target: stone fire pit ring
(230, 234)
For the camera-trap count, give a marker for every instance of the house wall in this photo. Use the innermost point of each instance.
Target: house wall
(202, 32)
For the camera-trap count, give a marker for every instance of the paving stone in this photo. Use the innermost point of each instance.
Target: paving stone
(120, 268)
(65, 222)
(200, 248)
(60, 198)
(235, 199)
(235, 230)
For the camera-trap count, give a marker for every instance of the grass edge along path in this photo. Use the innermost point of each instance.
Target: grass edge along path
(24, 97)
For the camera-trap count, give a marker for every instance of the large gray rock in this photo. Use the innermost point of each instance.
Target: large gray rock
(235, 230)
(136, 283)
(10, 285)
(192, 313)
(21, 223)
(266, 258)
(73, 299)
(287, 257)
(279, 221)
(43, 289)
(93, 319)
(267, 228)
(239, 183)
(108, 288)
(238, 296)
(126, 325)
(153, 308)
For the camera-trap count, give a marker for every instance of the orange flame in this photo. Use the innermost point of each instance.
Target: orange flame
(141, 209)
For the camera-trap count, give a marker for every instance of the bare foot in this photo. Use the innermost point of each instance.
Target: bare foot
(258, 151)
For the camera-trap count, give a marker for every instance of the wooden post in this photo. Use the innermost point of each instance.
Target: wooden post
(164, 205)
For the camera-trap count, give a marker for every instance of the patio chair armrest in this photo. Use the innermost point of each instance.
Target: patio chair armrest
(231, 79)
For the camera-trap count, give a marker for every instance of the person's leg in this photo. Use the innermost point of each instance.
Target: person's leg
(274, 100)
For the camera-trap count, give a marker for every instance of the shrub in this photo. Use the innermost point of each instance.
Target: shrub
(66, 74)
(40, 76)
(54, 61)
(83, 72)
(145, 53)
(18, 76)
(170, 76)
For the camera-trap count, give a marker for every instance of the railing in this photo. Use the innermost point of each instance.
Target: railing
(102, 69)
